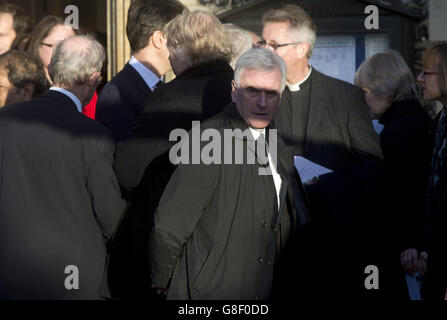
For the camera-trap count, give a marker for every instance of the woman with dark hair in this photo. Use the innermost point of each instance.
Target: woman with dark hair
(46, 35)
(433, 79)
(391, 96)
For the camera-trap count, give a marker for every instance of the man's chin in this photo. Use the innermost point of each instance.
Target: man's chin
(258, 124)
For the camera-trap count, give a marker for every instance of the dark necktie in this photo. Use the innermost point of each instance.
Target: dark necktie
(158, 85)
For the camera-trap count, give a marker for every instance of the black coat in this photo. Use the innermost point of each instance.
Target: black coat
(121, 101)
(335, 126)
(195, 95)
(334, 130)
(218, 233)
(144, 169)
(435, 279)
(407, 149)
(60, 202)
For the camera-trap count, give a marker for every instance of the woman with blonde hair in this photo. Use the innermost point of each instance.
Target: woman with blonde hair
(391, 96)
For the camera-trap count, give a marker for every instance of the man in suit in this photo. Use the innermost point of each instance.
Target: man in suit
(325, 120)
(223, 231)
(22, 77)
(123, 98)
(60, 201)
(201, 90)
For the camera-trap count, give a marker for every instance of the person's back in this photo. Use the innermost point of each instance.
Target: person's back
(142, 161)
(60, 201)
(123, 98)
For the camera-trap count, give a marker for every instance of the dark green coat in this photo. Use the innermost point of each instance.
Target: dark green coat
(218, 232)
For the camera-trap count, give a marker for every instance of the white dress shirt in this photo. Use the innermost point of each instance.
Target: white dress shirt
(276, 177)
(148, 76)
(75, 99)
(296, 86)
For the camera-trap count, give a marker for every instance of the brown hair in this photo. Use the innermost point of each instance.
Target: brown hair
(41, 31)
(145, 17)
(22, 68)
(21, 22)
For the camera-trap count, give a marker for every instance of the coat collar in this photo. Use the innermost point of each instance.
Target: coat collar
(136, 78)
(61, 99)
(398, 109)
(205, 69)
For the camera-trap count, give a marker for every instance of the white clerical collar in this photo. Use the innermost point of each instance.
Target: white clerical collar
(257, 133)
(75, 99)
(296, 86)
(148, 76)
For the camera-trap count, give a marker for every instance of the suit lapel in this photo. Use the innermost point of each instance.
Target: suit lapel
(136, 78)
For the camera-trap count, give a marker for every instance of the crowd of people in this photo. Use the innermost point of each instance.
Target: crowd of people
(99, 181)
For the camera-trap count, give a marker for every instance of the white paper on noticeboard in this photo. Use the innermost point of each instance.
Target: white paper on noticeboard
(335, 56)
(376, 43)
(308, 169)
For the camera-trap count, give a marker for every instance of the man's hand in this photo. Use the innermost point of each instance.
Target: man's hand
(314, 180)
(409, 260)
(160, 291)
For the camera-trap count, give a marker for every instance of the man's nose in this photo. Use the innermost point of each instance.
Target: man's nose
(262, 99)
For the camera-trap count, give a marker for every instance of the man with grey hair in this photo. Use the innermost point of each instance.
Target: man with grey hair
(227, 234)
(60, 201)
(241, 40)
(326, 121)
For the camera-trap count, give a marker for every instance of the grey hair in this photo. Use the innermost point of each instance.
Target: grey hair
(301, 29)
(241, 40)
(75, 59)
(387, 76)
(260, 59)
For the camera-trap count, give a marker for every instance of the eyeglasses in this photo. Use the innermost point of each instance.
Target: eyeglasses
(275, 46)
(428, 73)
(49, 45)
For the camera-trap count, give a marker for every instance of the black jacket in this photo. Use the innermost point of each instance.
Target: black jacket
(121, 101)
(144, 168)
(218, 230)
(334, 130)
(407, 152)
(60, 202)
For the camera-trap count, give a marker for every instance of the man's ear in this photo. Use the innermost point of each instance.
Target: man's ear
(233, 91)
(158, 39)
(95, 79)
(303, 49)
(28, 91)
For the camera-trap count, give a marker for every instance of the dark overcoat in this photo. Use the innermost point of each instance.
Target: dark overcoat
(332, 128)
(144, 169)
(218, 231)
(60, 202)
(121, 101)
